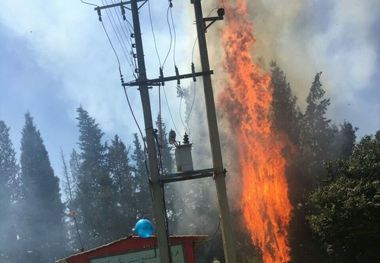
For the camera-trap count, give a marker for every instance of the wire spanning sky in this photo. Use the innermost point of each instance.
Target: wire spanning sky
(54, 56)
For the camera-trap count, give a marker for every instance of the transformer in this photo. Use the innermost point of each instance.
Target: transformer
(183, 158)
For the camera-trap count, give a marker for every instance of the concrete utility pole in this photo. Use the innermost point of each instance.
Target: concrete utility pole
(157, 181)
(155, 184)
(228, 239)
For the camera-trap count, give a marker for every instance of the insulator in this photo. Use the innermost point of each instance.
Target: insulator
(177, 75)
(123, 12)
(162, 76)
(193, 71)
(99, 14)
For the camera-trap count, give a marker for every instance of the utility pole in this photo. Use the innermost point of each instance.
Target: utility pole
(219, 173)
(155, 184)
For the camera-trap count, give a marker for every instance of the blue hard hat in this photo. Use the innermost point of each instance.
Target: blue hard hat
(144, 228)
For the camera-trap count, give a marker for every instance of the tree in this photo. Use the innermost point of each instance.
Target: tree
(8, 182)
(140, 171)
(316, 134)
(70, 190)
(124, 185)
(286, 115)
(344, 214)
(288, 121)
(95, 197)
(172, 201)
(42, 210)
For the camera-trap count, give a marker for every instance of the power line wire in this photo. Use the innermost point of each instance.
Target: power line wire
(154, 35)
(124, 28)
(119, 36)
(171, 37)
(88, 3)
(194, 84)
(170, 112)
(175, 37)
(125, 91)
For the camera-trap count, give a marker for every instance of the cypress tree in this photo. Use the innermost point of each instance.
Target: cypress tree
(285, 113)
(124, 185)
(96, 207)
(173, 201)
(42, 210)
(140, 170)
(8, 180)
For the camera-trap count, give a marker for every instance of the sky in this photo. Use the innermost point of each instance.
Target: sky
(55, 56)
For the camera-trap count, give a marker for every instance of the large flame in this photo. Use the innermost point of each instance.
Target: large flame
(246, 100)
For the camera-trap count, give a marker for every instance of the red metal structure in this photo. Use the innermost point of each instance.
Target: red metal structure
(135, 249)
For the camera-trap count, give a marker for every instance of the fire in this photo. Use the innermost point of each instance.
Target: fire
(246, 100)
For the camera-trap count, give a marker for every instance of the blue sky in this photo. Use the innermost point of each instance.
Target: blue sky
(54, 56)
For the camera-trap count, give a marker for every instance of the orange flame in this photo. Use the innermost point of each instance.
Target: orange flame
(247, 102)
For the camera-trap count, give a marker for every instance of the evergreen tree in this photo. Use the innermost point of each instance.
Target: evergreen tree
(344, 141)
(317, 134)
(95, 197)
(164, 149)
(173, 201)
(344, 213)
(286, 114)
(8, 180)
(124, 185)
(142, 192)
(42, 210)
(70, 189)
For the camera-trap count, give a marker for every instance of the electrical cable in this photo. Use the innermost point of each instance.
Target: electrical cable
(125, 91)
(119, 36)
(122, 25)
(154, 35)
(180, 115)
(175, 37)
(171, 37)
(110, 42)
(194, 85)
(88, 3)
(170, 113)
(133, 115)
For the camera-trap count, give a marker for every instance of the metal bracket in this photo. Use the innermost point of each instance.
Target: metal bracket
(171, 178)
(161, 80)
(213, 19)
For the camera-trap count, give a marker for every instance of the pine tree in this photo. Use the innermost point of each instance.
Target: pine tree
(124, 185)
(42, 210)
(96, 207)
(286, 114)
(344, 141)
(70, 189)
(317, 133)
(142, 192)
(8, 182)
(173, 201)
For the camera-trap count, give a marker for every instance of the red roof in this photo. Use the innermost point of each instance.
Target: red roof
(137, 248)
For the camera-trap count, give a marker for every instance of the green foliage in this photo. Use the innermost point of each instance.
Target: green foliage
(124, 186)
(42, 229)
(345, 212)
(285, 113)
(140, 171)
(9, 189)
(96, 193)
(313, 143)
